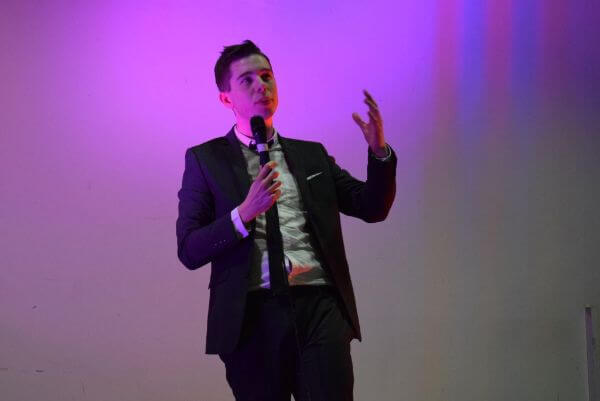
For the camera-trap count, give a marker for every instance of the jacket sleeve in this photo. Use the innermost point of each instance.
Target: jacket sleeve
(201, 235)
(369, 200)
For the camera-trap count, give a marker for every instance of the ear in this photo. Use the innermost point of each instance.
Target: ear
(225, 99)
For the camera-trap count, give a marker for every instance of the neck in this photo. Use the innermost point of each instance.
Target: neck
(244, 128)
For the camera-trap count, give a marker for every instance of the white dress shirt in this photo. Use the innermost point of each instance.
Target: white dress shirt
(302, 264)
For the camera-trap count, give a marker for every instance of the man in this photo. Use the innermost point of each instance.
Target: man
(274, 346)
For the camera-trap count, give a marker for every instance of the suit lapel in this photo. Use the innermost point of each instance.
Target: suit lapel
(232, 153)
(294, 159)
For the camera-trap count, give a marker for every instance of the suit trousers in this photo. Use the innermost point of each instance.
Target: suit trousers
(300, 348)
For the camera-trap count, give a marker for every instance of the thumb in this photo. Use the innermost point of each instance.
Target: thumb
(358, 120)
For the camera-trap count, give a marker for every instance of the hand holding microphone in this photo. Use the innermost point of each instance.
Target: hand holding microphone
(263, 193)
(264, 190)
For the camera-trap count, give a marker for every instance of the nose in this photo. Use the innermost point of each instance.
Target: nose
(262, 86)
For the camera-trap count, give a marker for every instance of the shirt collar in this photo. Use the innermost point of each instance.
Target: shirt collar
(246, 140)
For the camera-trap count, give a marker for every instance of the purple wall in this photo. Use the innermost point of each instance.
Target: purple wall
(473, 288)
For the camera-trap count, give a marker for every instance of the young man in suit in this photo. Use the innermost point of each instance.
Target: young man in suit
(275, 346)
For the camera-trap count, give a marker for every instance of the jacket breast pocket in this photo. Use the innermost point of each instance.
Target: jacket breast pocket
(321, 186)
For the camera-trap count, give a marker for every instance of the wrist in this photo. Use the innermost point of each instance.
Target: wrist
(380, 152)
(242, 229)
(246, 219)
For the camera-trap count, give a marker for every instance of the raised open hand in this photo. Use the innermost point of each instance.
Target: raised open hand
(373, 130)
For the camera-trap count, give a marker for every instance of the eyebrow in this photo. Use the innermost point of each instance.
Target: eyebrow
(242, 75)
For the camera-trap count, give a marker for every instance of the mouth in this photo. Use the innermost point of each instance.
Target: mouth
(264, 101)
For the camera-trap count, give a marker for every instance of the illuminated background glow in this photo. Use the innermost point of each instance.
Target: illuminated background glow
(472, 289)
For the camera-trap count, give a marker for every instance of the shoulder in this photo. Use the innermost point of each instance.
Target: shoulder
(302, 144)
(208, 145)
(212, 145)
(211, 152)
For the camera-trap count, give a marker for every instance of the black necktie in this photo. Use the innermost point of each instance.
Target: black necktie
(275, 247)
(277, 276)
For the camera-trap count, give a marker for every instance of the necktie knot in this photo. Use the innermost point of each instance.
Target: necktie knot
(252, 144)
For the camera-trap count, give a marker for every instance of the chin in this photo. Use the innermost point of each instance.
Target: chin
(266, 113)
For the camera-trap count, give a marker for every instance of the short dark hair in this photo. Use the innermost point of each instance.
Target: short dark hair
(228, 56)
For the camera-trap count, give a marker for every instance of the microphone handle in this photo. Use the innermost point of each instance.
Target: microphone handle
(264, 158)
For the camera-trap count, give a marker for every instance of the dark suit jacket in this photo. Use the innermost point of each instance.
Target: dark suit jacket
(216, 180)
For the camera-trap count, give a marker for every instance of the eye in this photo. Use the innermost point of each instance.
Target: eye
(246, 80)
(266, 77)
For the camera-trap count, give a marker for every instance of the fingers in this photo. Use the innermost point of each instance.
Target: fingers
(373, 108)
(266, 169)
(274, 186)
(359, 120)
(271, 194)
(263, 193)
(374, 118)
(368, 95)
(373, 112)
(275, 196)
(371, 103)
(266, 182)
(269, 184)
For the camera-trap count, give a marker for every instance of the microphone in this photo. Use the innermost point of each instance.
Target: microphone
(259, 132)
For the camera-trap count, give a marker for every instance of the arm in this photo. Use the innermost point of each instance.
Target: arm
(370, 200)
(200, 235)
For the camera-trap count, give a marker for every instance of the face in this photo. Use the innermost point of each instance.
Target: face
(253, 90)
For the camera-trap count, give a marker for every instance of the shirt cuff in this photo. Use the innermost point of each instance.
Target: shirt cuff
(386, 157)
(240, 228)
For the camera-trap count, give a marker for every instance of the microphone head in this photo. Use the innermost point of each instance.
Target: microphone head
(259, 129)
